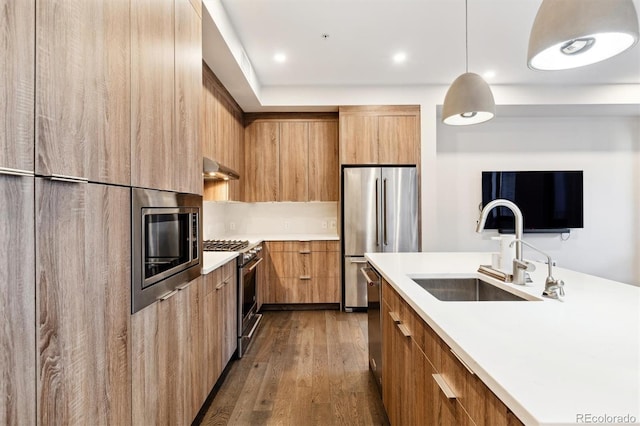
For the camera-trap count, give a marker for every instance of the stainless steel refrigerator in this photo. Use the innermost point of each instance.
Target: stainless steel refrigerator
(379, 214)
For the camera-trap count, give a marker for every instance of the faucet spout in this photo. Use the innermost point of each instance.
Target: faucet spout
(516, 212)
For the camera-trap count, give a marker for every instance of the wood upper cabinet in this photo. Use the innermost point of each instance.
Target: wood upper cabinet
(413, 353)
(17, 67)
(324, 171)
(83, 287)
(307, 157)
(187, 148)
(222, 136)
(17, 298)
(197, 6)
(294, 161)
(380, 135)
(262, 171)
(82, 99)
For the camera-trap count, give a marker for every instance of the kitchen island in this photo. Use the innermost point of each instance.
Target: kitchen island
(550, 362)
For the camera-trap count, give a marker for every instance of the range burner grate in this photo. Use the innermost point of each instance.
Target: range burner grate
(224, 245)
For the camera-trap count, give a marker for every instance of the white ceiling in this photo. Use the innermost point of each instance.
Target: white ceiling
(364, 34)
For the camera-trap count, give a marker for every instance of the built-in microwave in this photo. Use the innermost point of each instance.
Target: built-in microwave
(166, 244)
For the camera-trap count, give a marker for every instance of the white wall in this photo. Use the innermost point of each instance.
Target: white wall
(599, 144)
(606, 148)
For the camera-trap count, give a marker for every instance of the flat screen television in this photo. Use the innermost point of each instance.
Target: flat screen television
(550, 201)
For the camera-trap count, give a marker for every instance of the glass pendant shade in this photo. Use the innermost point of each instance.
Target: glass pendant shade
(573, 33)
(468, 101)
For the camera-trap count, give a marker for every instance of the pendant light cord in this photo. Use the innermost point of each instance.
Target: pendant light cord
(466, 36)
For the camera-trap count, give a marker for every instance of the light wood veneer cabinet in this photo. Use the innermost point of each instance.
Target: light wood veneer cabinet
(414, 356)
(301, 272)
(291, 157)
(17, 299)
(82, 74)
(222, 136)
(83, 289)
(166, 52)
(17, 67)
(380, 135)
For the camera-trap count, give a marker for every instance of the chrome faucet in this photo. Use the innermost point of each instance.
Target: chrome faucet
(520, 266)
(553, 288)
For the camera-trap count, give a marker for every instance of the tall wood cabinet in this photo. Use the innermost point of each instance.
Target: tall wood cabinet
(222, 132)
(380, 135)
(17, 290)
(166, 50)
(83, 85)
(291, 157)
(83, 303)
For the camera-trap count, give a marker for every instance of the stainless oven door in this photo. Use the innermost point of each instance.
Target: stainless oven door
(248, 317)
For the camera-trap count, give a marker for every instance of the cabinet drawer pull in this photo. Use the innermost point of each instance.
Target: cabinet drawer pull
(15, 172)
(305, 252)
(220, 285)
(184, 286)
(444, 387)
(404, 330)
(462, 362)
(305, 277)
(395, 317)
(70, 179)
(167, 295)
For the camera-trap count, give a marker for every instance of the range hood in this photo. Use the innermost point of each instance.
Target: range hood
(212, 170)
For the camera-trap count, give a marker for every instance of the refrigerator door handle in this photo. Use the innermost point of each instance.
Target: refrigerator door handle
(377, 219)
(384, 212)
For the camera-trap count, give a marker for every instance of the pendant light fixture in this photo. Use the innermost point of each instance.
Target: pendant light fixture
(469, 99)
(573, 33)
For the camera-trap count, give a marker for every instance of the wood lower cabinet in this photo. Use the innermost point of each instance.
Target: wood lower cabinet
(301, 272)
(82, 98)
(380, 135)
(413, 354)
(17, 67)
(83, 277)
(17, 299)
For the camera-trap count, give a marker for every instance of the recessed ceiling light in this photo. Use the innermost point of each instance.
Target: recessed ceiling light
(280, 57)
(399, 57)
(489, 74)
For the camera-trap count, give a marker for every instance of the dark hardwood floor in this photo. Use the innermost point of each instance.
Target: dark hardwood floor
(303, 368)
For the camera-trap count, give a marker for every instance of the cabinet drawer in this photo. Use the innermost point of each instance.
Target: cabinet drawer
(211, 280)
(287, 264)
(291, 246)
(328, 245)
(325, 290)
(325, 264)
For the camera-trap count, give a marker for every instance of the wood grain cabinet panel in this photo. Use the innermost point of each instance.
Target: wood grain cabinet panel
(188, 85)
(324, 170)
(294, 161)
(17, 299)
(197, 6)
(83, 303)
(474, 403)
(262, 141)
(82, 101)
(17, 67)
(358, 139)
(152, 93)
(398, 139)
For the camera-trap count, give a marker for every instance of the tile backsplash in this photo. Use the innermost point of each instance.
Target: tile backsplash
(222, 219)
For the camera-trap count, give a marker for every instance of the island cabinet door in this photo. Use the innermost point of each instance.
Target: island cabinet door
(17, 301)
(83, 290)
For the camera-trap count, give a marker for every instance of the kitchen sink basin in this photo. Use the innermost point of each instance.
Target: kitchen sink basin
(465, 290)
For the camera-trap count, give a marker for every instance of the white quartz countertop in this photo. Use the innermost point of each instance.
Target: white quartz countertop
(282, 237)
(212, 260)
(549, 361)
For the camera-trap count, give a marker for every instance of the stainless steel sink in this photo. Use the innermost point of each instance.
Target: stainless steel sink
(465, 290)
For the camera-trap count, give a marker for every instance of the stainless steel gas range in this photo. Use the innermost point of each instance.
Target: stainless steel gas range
(248, 263)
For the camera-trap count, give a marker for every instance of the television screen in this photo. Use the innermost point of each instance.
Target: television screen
(549, 200)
